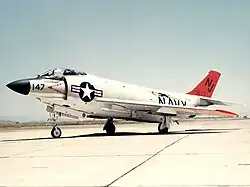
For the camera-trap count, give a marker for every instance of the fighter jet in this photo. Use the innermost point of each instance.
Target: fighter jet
(78, 95)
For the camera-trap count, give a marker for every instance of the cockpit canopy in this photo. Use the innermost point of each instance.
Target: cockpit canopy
(59, 73)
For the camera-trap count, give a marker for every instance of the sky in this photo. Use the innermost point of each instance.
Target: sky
(165, 44)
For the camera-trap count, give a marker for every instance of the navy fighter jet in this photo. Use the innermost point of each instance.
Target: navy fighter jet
(76, 94)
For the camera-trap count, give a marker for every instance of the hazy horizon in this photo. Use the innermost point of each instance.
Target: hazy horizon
(161, 44)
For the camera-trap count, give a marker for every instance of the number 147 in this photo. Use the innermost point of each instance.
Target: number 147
(37, 86)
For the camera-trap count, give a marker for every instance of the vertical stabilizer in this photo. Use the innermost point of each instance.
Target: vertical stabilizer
(207, 86)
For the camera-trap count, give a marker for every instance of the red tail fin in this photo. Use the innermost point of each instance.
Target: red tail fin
(207, 85)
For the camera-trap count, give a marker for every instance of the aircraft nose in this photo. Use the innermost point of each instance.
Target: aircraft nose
(20, 86)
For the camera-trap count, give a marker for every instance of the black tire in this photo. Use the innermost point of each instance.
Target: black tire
(110, 129)
(56, 132)
(162, 131)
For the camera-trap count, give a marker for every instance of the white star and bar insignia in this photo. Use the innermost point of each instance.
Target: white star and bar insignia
(87, 91)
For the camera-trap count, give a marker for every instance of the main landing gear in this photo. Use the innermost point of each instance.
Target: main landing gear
(164, 125)
(55, 131)
(109, 126)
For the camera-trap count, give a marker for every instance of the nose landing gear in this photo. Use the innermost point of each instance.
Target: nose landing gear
(56, 132)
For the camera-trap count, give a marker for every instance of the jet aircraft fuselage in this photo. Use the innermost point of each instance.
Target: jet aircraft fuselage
(78, 94)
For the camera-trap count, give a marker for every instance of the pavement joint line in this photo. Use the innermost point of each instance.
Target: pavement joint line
(85, 156)
(128, 155)
(143, 162)
(36, 150)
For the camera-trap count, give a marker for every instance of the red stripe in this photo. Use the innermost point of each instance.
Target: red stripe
(75, 90)
(227, 112)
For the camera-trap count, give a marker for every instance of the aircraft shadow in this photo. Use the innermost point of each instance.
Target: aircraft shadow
(187, 132)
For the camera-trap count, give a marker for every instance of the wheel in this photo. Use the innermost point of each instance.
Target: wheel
(56, 132)
(162, 131)
(110, 129)
(109, 126)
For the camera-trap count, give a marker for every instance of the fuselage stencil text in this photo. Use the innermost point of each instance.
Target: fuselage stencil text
(166, 99)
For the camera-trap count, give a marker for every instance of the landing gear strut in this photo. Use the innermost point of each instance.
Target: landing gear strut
(55, 131)
(164, 125)
(109, 126)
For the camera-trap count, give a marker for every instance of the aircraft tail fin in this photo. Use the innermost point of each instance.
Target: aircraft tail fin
(207, 86)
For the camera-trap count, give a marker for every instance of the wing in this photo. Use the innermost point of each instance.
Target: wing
(165, 109)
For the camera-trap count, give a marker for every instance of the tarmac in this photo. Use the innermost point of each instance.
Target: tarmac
(194, 154)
